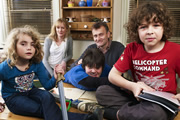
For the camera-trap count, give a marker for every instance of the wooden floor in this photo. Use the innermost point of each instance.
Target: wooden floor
(7, 115)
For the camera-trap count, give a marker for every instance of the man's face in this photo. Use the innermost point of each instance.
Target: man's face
(100, 36)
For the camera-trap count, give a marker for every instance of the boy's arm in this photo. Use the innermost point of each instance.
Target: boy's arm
(94, 82)
(115, 77)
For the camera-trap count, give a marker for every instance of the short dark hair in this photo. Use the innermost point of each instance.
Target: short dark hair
(97, 25)
(156, 10)
(93, 57)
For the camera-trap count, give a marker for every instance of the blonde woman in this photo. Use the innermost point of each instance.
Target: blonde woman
(58, 46)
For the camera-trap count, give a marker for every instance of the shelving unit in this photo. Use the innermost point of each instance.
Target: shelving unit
(81, 30)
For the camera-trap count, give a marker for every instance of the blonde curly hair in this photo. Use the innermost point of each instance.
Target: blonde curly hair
(10, 48)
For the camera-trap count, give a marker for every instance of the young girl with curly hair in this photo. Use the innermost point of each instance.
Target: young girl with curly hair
(24, 62)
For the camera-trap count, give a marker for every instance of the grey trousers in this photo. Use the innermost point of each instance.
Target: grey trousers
(128, 107)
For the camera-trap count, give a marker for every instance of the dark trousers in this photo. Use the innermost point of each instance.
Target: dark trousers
(128, 107)
(35, 103)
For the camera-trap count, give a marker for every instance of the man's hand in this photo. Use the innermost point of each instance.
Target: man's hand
(80, 62)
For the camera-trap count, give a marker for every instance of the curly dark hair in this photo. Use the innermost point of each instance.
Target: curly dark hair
(150, 12)
(93, 57)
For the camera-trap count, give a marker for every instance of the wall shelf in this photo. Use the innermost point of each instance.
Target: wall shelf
(81, 28)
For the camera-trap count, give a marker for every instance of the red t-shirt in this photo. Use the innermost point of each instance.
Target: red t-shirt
(157, 70)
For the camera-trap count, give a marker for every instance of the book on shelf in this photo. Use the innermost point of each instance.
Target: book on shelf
(164, 99)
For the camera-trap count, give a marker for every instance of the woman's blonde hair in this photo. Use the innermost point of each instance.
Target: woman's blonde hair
(10, 48)
(53, 34)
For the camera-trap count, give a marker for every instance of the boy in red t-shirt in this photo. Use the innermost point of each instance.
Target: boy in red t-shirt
(153, 61)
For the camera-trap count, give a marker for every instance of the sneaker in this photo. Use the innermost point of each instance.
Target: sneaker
(96, 115)
(88, 106)
(75, 103)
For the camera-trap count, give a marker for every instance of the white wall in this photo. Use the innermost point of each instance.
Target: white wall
(118, 15)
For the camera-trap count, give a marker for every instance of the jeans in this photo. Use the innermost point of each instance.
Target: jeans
(35, 103)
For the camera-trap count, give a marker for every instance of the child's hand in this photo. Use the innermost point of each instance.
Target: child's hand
(177, 96)
(2, 107)
(58, 69)
(139, 86)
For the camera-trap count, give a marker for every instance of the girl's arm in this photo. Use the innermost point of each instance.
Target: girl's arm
(43, 76)
(115, 77)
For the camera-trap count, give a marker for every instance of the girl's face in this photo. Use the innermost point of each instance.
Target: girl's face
(151, 35)
(93, 72)
(25, 47)
(61, 30)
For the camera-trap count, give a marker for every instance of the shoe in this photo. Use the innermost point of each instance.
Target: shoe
(75, 103)
(96, 115)
(88, 106)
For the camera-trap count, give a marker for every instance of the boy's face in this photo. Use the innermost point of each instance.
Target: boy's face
(25, 47)
(100, 36)
(93, 72)
(151, 35)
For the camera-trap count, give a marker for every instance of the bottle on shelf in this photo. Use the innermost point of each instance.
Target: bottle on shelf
(89, 3)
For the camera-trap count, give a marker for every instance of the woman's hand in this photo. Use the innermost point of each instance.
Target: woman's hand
(63, 64)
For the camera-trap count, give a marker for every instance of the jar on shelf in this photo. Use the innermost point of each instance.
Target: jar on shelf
(105, 3)
(70, 3)
(82, 3)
